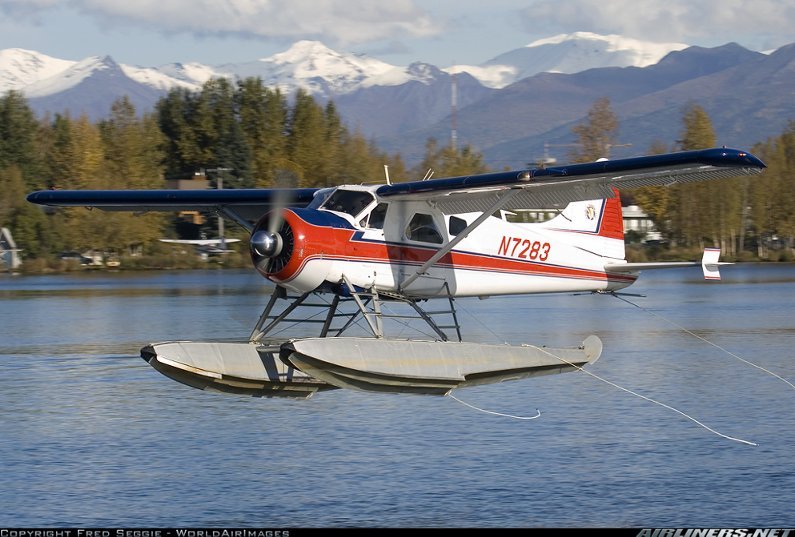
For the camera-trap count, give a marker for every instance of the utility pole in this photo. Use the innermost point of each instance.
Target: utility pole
(219, 185)
(454, 114)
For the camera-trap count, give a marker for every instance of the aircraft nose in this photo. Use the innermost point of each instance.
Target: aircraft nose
(266, 243)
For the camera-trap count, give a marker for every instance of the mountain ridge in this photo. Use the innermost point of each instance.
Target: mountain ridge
(400, 107)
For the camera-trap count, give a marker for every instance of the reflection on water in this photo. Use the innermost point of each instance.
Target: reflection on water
(91, 435)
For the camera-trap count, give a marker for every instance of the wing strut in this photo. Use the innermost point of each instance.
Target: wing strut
(498, 204)
(223, 210)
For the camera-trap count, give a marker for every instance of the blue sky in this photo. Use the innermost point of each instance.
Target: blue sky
(442, 32)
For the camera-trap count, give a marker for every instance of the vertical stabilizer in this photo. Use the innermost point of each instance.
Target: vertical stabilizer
(710, 264)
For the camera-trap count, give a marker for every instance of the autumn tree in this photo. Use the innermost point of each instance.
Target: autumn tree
(123, 151)
(132, 159)
(597, 134)
(657, 201)
(710, 211)
(771, 196)
(449, 161)
(27, 223)
(133, 147)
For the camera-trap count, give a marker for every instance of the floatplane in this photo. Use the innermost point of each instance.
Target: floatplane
(204, 246)
(362, 248)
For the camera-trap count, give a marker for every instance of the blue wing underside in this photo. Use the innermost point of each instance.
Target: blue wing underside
(545, 187)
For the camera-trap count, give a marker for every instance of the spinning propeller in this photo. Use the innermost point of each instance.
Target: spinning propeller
(271, 241)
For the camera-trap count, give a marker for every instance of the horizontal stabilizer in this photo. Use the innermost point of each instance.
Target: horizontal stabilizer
(709, 264)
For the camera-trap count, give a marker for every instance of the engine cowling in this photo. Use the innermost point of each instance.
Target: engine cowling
(288, 250)
(271, 244)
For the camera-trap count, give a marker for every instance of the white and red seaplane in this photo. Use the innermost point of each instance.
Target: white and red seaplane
(353, 250)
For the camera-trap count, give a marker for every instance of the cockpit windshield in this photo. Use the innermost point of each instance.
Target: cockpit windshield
(350, 202)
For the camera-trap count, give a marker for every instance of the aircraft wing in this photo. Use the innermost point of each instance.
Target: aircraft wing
(558, 186)
(249, 204)
(533, 188)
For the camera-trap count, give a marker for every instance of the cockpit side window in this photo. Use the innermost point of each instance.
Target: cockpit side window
(457, 225)
(421, 228)
(377, 217)
(350, 202)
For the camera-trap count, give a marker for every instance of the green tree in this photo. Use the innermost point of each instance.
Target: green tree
(56, 142)
(305, 140)
(252, 100)
(175, 113)
(18, 129)
(335, 135)
(220, 135)
(20, 166)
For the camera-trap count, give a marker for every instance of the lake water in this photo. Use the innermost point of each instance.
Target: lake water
(90, 435)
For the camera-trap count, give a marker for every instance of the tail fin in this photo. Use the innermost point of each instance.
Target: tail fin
(710, 264)
(594, 225)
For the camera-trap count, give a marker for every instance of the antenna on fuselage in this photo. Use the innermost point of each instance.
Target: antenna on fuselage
(428, 174)
(386, 174)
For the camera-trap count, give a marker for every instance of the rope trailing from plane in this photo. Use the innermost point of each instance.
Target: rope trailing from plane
(672, 323)
(649, 399)
(597, 377)
(453, 397)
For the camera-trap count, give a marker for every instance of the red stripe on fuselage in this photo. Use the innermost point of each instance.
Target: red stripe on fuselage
(321, 242)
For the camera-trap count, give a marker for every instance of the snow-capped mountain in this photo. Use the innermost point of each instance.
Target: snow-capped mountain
(20, 68)
(508, 107)
(313, 66)
(569, 53)
(328, 73)
(70, 77)
(191, 75)
(90, 87)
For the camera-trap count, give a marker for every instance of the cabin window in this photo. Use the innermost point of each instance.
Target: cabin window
(456, 225)
(421, 228)
(350, 202)
(376, 217)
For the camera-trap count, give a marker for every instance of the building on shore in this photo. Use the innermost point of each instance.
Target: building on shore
(636, 222)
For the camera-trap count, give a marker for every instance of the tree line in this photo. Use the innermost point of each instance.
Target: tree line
(260, 138)
(246, 129)
(744, 216)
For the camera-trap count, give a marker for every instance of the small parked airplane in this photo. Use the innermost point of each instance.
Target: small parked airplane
(371, 247)
(205, 246)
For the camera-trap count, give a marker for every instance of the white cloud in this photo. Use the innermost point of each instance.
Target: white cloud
(717, 21)
(340, 22)
(26, 8)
